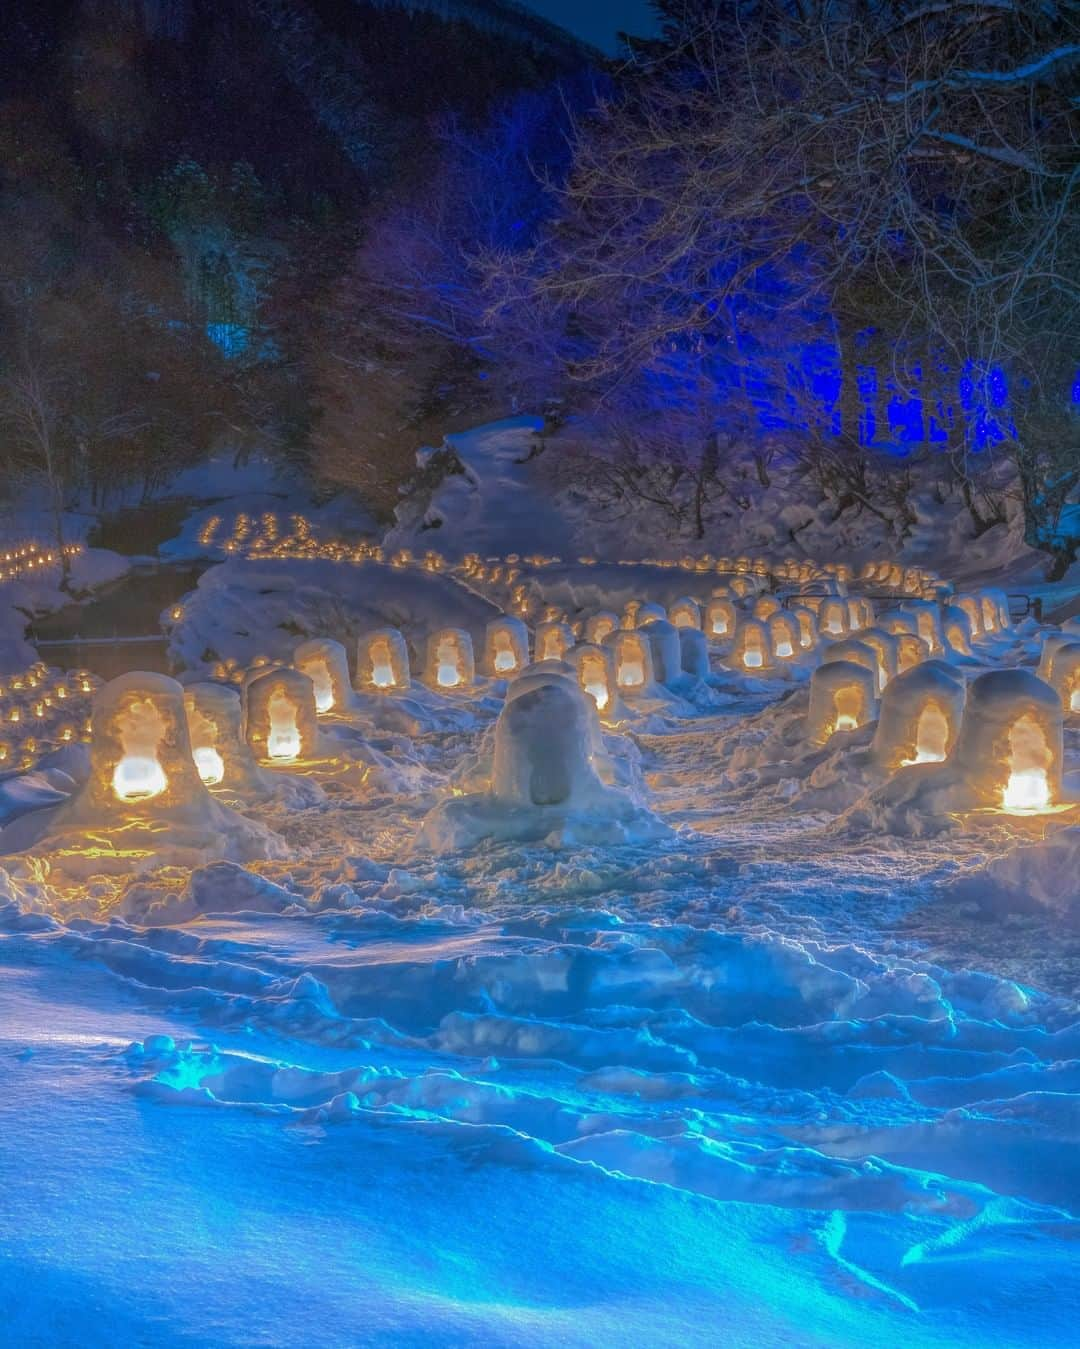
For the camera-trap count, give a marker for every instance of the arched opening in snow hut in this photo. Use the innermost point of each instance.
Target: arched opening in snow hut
(784, 640)
(633, 660)
(833, 618)
(281, 717)
(752, 651)
(1010, 745)
(326, 664)
(139, 773)
(553, 640)
(595, 666)
(720, 617)
(1066, 677)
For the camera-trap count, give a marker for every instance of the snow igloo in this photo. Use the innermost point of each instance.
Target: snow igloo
(450, 667)
(595, 669)
(1009, 749)
(833, 619)
(720, 617)
(382, 661)
(919, 717)
(694, 653)
(685, 613)
(326, 664)
(506, 647)
(633, 660)
(843, 697)
(215, 728)
(553, 640)
(784, 636)
(752, 651)
(280, 718)
(666, 650)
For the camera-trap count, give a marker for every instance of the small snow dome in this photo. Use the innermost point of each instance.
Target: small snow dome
(600, 625)
(595, 667)
(633, 660)
(449, 666)
(140, 754)
(919, 717)
(506, 648)
(382, 661)
(685, 613)
(911, 650)
(694, 652)
(280, 718)
(326, 664)
(752, 651)
(784, 639)
(972, 608)
(1010, 744)
(543, 754)
(765, 606)
(720, 617)
(553, 640)
(842, 698)
(833, 618)
(1066, 677)
(663, 639)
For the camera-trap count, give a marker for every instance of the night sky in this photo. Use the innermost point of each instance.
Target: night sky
(597, 21)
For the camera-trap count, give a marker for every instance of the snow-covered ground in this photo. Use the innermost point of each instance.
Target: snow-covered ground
(740, 1068)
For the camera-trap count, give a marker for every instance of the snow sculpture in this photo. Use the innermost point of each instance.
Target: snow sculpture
(833, 618)
(553, 640)
(215, 727)
(927, 618)
(783, 629)
(663, 639)
(957, 627)
(544, 779)
(599, 626)
(842, 698)
(449, 667)
(633, 660)
(382, 661)
(919, 717)
(1065, 677)
(280, 717)
(506, 648)
(720, 617)
(694, 652)
(765, 606)
(685, 613)
(1009, 749)
(911, 650)
(887, 649)
(595, 667)
(326, 664)
(752, 650)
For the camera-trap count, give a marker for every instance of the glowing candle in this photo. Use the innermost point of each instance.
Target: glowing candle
(210, 764)
(138, 777)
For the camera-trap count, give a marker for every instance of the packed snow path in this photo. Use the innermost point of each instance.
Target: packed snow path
(688, 1093)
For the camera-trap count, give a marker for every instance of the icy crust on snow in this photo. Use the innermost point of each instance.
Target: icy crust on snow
(894, 1130)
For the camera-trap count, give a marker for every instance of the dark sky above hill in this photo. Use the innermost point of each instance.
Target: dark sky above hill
(597, 21)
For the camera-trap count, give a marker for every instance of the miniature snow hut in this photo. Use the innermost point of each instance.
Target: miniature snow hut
(663, 639)
(720, 617)
(553, 640)
(694, 652)
(326, 664)
(598, 626)
(685, 613)
(752, 650)
(833, 618)
(449, 666)
(1009, 748)
(1066, 677)
(784, 637)
(595, 667)
(280, 718)
(919, 718)
(382, 661)
(506, 648)
(842, 698)
(633, 660)
(215, 728)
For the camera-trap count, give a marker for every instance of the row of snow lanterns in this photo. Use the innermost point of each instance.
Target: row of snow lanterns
(30, 558)
(42, 709)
